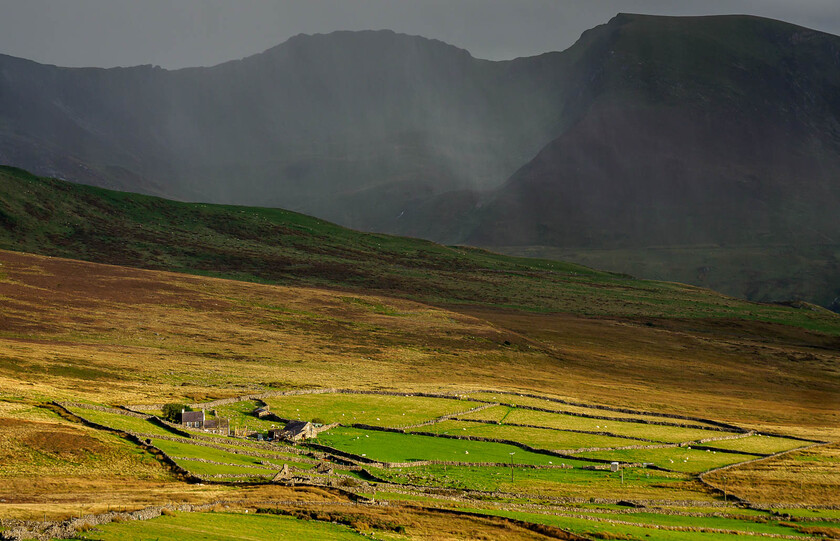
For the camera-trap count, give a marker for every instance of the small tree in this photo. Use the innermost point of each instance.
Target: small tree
(172, 411)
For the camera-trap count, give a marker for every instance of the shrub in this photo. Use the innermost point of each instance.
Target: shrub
(172, 411)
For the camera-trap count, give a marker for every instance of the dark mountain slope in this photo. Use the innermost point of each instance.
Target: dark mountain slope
(700, 132)
(308, 124)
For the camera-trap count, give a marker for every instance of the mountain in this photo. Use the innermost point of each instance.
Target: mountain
(336, 125)
(699, 134)
(703, 149)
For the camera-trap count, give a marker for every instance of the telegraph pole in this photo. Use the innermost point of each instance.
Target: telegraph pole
(511, 467)
(724, 488)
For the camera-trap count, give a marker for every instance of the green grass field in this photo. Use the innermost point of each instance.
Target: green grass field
(666, 434)
(396, 447)
(203, 468)
(759, 444)
(768, 527)
(221, 527)
(606, 530)
(827, 514)
(241, 414)
(374, 410)
(516, 400)
(185, 449)
(255, 448)
(679, 459)
(540, 438)
(556, 482)
(126, 423)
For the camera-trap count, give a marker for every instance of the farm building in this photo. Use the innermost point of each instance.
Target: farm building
(262, 412)
(298, 430)
(217, 426)
(192, 419)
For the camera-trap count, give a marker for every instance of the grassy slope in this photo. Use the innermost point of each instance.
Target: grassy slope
(113, 334)
(222, 526)
(52, 217)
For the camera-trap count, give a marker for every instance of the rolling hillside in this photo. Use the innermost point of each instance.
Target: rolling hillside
(52, 217)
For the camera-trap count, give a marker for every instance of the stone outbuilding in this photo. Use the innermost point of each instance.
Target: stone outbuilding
(217, 426)
(298, 430)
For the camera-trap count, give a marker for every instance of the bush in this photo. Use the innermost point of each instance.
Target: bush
(172, 411)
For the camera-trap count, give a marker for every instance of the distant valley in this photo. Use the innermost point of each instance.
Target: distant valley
(704, 150)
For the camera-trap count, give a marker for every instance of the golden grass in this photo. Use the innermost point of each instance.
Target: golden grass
(745, 373)
(113, 335)
(810, 476)
(104, 334)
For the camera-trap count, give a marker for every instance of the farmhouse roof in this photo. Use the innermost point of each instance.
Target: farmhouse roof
(296, 427)
(216, 423)
(192, 416)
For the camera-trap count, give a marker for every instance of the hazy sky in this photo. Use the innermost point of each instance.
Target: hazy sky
(178, 33)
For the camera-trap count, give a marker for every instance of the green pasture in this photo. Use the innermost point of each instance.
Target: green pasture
(187, 450)
(826, 514)
(376, 410)
(221, 527)
(731, 510)
(541, 438)
(665, 434)
(554, 482)
(203, 468)
(759, 444)
(398, 447)
(125, 423)
(517, 400)
(241, 414)
(720, 523)
(606, 530)
(275, 449)
(680, 459)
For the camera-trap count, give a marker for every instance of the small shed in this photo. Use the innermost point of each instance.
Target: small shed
(192, 419)
(262, 412)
